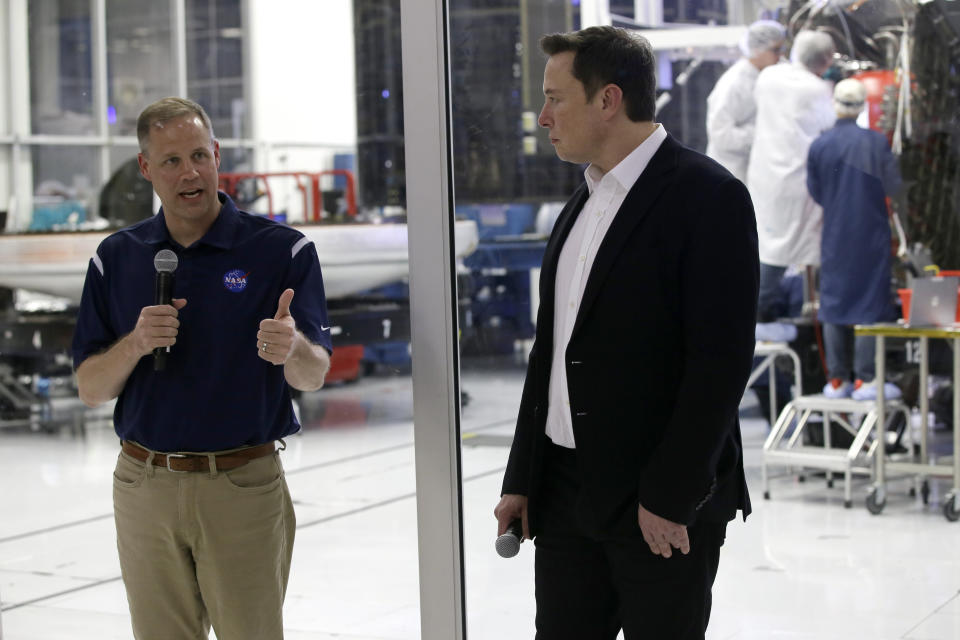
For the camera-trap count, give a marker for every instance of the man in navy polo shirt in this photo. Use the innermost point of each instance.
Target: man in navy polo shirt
(205, 523)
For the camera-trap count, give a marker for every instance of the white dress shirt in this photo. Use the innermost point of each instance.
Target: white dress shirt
(607, 193)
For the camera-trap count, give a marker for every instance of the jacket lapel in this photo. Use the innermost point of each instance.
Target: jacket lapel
(638, 203)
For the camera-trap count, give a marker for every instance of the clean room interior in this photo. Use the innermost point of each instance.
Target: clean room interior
(403, 135)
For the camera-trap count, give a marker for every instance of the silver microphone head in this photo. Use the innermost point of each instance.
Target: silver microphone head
(165, 261)
(508, 545)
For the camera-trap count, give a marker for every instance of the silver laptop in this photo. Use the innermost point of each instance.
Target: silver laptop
(933, 302)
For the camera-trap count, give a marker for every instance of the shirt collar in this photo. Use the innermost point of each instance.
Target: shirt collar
(220, 234)
(629, 169)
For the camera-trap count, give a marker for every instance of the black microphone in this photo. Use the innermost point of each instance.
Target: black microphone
(165, 262)
(508, 545)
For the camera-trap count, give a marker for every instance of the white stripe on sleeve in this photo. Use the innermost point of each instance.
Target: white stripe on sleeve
(304, 241)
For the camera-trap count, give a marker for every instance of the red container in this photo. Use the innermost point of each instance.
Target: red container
(905, 303)
(345, 363)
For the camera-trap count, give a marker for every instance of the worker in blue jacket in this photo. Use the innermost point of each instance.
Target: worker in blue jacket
(850, 172)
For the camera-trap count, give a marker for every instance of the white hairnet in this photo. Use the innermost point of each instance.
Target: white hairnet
(762, 35)
(813, 49)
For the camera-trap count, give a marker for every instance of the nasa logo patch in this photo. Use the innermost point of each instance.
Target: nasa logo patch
(235, 280)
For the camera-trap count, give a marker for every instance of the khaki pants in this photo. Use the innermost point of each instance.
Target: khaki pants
(202, 548)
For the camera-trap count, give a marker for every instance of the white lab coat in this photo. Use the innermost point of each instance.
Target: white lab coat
(731, 112)
(793, 107)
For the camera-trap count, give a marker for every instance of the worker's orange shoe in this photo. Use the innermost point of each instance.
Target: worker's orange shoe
(837, 388)
(868, 390)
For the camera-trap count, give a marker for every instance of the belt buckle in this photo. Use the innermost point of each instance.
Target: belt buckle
(175, 455)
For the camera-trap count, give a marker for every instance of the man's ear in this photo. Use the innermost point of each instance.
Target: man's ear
(144, 166)
(611, 99)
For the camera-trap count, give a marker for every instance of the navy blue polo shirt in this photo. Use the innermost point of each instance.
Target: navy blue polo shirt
(215, 393)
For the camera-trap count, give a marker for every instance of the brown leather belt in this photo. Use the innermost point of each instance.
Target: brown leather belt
(198, 462)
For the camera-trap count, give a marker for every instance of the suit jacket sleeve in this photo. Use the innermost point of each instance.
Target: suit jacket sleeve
(516, 478)
(719, 275)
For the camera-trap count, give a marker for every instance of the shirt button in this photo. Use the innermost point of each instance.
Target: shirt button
(583, 258)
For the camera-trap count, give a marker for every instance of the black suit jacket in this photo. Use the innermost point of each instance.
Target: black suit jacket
(659, 355)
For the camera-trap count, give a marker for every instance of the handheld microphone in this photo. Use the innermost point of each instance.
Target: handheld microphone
(165, 262)
(508, 545)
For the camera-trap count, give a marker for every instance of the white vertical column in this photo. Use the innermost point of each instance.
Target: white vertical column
(98, 59)
(251, 128)
(178, 45)
(18, 88)
(6, 170)
(594, 13)
(45, 60)
(253, 42)
(648, 12)
(433, 310)
(735, 12)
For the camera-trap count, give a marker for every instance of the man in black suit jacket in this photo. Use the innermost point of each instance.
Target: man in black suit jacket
(627, 446)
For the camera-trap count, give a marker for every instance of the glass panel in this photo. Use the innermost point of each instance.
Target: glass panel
(236, 159)
(215, 63)
(499, 152)
(509, 180)
(351, 468)
(64, 191)
(139, 55)
(61, 82)
(126, 197)
(380, 103)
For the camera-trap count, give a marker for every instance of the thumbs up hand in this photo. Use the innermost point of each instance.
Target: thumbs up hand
(283, 306)
(278, 336)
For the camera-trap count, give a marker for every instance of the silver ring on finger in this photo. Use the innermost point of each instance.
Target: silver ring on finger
(264, 348)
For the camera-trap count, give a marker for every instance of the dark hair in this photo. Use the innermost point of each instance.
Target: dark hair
(166, 109)
(609, 55)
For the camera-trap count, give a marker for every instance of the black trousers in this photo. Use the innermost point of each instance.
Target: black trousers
(589, 589)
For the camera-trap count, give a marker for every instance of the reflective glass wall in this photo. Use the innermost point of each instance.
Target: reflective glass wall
(507, 178)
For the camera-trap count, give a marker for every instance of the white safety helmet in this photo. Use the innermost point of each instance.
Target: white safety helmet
(849, 97)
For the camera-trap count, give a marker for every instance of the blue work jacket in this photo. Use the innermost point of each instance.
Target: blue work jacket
(850, 171)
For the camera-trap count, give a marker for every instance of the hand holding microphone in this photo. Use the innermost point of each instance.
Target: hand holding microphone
(508, 544)
(157, 327)
(511, 513)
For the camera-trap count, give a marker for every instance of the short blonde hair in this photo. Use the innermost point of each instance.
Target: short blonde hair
(166, 109)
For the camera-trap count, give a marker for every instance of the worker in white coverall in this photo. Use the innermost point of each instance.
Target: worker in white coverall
(731, 109)
(794, 106)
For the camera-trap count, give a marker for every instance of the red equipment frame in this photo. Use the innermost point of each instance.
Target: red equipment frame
(308, 182)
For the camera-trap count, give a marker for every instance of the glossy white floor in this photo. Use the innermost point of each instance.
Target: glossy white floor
(802, 567)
